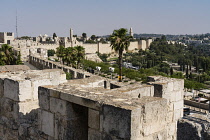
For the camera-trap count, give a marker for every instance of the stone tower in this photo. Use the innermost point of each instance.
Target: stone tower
(71, 37)
(131, 32)
(71, 34)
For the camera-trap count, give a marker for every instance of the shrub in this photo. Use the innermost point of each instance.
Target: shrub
(68, 76)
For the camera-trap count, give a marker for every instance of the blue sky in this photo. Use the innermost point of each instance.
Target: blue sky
(101, 17)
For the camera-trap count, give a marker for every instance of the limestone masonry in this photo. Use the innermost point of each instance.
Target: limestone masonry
(41, 105)
(38, 46)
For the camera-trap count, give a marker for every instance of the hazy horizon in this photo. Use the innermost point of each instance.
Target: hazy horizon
(100, 18)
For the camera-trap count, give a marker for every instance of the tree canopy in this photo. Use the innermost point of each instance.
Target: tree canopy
(120, 42)
(7, 56)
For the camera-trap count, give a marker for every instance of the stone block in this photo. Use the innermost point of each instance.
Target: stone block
(44, 98)
(46, 122)
(178, 84)
(94, 134)
(145, 91)
(44, 102)
(178, 114)
(178, 105)
(54, 93)
(155, 117)
(117, 122)
(172, 127)
(43, 91)
(27, 107)
(170, 117)
(36, 83)
(168, 97)
(17, 90)
(1, 88)
(9, 109)
(152, 90)
(136, 126)
(179, 95)
(170, 87)
(80, 101)
(58, 106)
(94, 119)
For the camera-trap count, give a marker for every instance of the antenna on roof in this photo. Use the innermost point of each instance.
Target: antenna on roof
(16, 25)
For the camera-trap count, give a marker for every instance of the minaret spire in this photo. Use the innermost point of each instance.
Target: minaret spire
(131, 32)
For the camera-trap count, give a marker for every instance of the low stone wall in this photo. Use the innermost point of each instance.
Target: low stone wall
(41, 105)
(194, 127)
(196, 104)
(47, 64)
(19, 102)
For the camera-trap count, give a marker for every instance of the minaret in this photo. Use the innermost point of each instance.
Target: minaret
(131, 32)
(71, 34)
(71, 37)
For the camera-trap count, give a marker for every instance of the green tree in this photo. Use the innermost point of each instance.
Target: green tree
(19, 61)
(70, 56)
(54, 35)
(50, 52)
(80, 54)
(60, 51)
(84, 35)
(93, 37)
(6, 54)
(120, 42)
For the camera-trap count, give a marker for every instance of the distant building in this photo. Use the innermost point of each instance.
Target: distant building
(6, 37)
(131, 32)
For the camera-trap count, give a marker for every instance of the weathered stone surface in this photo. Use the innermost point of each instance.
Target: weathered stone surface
(17, 90)
(83, 109)
(58, 106)
(1, 88)
(94, 134)
(27, 107)
(193, 127)
(46, 122)
(94, 119)
(117, 122)
(155, 117)
(178, 105)
(36, 83)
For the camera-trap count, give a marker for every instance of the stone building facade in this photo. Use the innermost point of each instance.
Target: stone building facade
(44, 42)
(6, 37)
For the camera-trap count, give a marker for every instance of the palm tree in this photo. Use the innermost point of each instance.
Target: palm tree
(79, 54)
(60, 52)
(70, 56)
(120, 42)
(6, 54)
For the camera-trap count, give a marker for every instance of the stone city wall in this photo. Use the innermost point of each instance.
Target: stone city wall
(171, 89)
(196, 104)
(47, 64)
(19, 102)
(83, 109)
(24, 46)
(99, 116)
